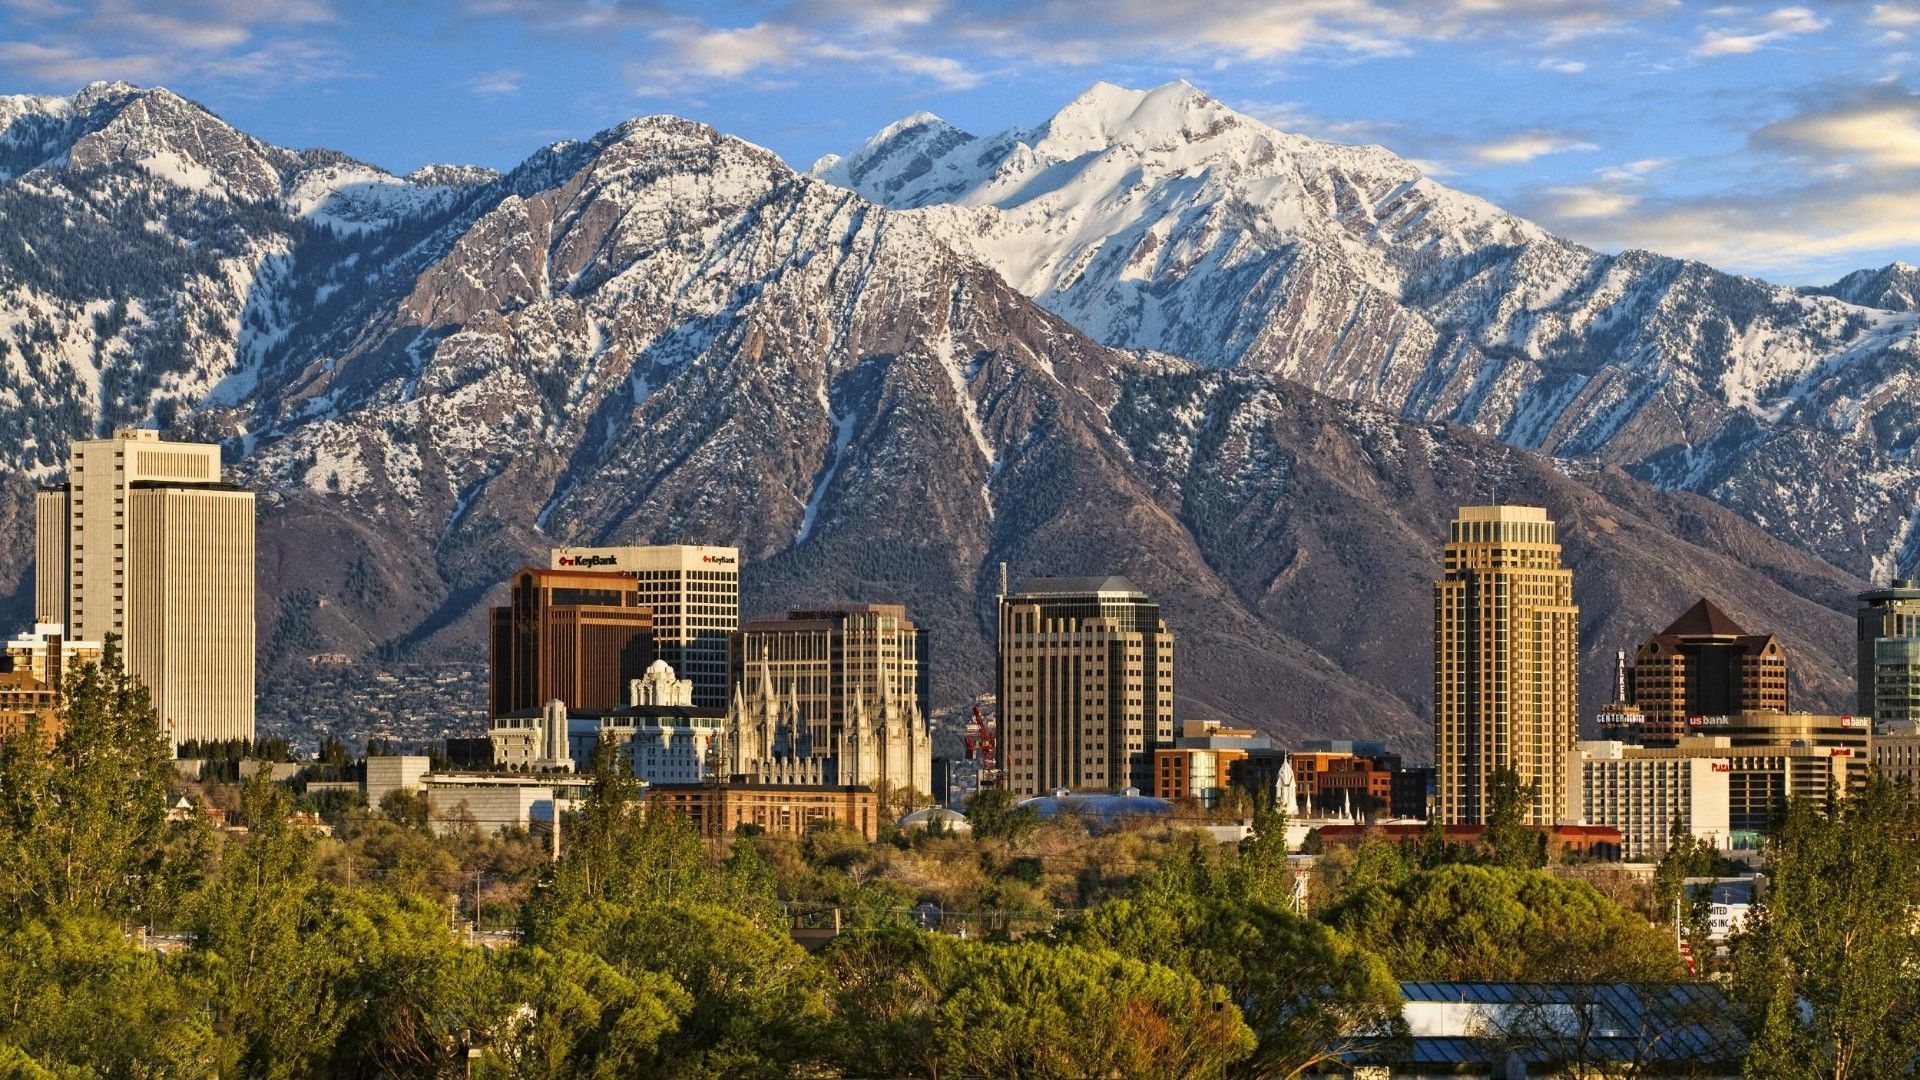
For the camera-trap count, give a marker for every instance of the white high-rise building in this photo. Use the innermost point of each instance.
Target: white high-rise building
(694, 592)
(146, 543)
(1645, 793)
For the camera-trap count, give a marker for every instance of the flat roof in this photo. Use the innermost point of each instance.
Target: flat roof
(1502, 512)
(1079, 586)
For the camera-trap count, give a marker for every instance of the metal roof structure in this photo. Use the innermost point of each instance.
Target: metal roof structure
(1620, 1023)
(1099, 806)
(1079, 586)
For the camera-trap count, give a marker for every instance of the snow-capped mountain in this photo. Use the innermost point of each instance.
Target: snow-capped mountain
(663, 333)
(1165, 220)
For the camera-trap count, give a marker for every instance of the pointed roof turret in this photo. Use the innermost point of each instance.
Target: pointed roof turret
(1704, 619)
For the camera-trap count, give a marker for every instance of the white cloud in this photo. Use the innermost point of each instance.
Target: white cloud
(1584, 201)
(1524, 147)
(502, 83)
(1293, 117)
(734, 51)
(1894, 16)
(694, 51)
(946, 43)
(1631, 171)
(252, 44)
(1564, 67)
(67, 64)
(1777, 25)
(1828, 190)
(1878, 128)
(1792, 231)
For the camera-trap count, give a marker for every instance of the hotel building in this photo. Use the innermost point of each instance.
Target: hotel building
(1506, 663)
(576, 636)
(1768, 758)
(1645, 794)
(146, 543)
(1085, 684)
(1705, 665)
(694, 591)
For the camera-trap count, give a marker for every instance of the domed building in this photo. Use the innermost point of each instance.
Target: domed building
(936, 818)
(1101, 809)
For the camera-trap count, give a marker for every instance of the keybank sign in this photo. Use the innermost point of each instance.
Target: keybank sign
(584, 562)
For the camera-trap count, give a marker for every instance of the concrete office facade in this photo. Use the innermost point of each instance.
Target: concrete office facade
(693, 591)
(146, 543)
(1085, 681)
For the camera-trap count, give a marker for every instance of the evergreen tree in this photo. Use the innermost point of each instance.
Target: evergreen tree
(1509, 840)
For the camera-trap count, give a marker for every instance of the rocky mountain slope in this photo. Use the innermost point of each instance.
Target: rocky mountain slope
(663, 333)
(1165, 220)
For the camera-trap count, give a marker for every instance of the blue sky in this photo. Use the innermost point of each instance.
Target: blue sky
(1776, 139)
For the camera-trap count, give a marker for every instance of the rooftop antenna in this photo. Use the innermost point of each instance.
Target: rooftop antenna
(1003, 579)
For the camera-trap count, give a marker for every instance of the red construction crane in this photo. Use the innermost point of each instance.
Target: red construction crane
(982, 741)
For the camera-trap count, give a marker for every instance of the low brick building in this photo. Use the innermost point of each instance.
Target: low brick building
(718, 810)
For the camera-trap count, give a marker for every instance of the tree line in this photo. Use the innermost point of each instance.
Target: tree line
(648, 950)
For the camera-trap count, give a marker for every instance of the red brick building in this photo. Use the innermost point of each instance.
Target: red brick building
(1705, 664)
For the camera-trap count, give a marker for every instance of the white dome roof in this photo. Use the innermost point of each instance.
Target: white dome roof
(928, 816)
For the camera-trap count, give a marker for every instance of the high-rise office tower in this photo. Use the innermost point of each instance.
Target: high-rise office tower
(1085, 685)
(694, 592)
(145, 542)
(576, 636)
(1888, 638)
(1505, 664)
(1705, 665)
(834, 695)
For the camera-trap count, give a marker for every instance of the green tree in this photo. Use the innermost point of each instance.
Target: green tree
(759, 1006)
(273, 981)
(889, 986)
(79, 996)
(404, 807)
(409, 993)
(579, 1016)
(992, 814)
(1032, 1010)
(617, 851)
(1327, 999)
(84, 828)
(1504, 925)
(1829, 967)
(1688, 856)
(1265, 873)
(1509, 840)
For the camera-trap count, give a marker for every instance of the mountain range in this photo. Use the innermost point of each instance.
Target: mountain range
(1150, 336)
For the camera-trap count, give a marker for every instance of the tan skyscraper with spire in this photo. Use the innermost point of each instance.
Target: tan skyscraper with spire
(1506, 646)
